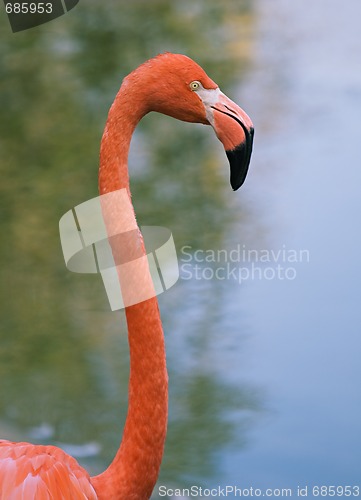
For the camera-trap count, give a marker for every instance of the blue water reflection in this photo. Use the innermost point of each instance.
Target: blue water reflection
(305, 343)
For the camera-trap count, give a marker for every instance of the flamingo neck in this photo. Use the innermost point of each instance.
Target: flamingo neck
(135, 468)
(124, 115)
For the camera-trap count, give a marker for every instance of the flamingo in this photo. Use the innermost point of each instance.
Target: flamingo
(175, 85)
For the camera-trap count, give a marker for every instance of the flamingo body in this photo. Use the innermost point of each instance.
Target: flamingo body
(30, 472)
(174, 85)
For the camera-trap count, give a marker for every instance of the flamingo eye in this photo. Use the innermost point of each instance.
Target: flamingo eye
(195, 85)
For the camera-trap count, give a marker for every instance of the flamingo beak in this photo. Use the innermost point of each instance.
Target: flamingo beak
(234, 129)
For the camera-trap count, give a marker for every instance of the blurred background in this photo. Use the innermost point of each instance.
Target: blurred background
(264, 373)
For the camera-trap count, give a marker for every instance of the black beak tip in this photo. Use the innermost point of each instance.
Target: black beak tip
(239, 159)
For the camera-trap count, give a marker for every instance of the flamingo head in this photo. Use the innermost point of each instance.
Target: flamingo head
(177, 86)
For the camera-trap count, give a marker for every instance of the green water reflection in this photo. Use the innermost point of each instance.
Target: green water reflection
(63, 360)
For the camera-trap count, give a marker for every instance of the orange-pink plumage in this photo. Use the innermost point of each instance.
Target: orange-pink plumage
(42, 473)
(174, 85)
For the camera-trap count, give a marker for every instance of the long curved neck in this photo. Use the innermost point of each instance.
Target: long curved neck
(134, 470)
